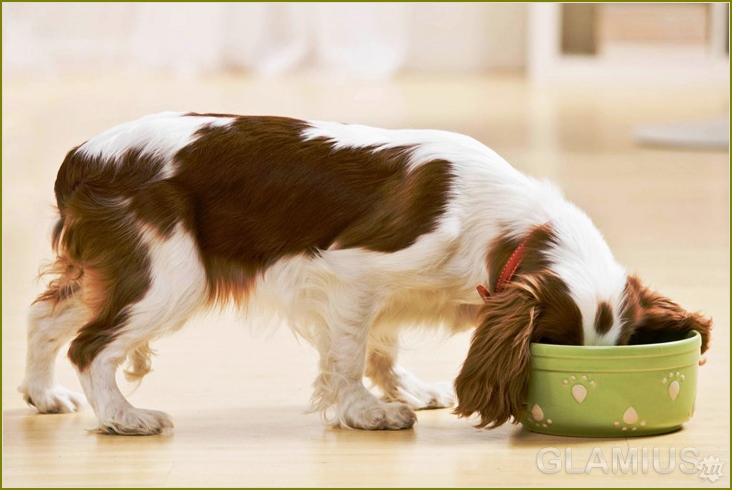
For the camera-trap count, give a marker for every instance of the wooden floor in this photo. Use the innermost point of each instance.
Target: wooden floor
(238, 393)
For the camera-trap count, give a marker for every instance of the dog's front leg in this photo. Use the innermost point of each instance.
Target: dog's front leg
(342, 360)
(358, 408)
(396, 382)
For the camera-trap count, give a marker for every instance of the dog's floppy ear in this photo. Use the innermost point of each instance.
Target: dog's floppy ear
(655, 318)
(495, 374)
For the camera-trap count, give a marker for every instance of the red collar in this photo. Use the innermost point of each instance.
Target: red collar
(507, 273)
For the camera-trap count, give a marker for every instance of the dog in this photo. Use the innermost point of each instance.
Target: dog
(348, 233)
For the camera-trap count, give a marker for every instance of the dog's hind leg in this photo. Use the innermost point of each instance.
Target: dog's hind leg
(175, 288)
(398, 384)
(54, 319)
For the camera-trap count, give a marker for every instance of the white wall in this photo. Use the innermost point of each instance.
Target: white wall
(467, 36)
(366, 38)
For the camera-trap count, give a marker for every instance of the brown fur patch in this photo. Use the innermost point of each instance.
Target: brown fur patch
(260, 193)
(560, 320)
(534, 260)
(494, 375)
(603, 318)
(649, 317)
(66, 282)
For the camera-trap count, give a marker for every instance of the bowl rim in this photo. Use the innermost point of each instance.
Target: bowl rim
(690, 343)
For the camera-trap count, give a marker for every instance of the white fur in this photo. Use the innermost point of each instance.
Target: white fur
(586, 264)
(162, 135)
(50, 326)
(177, 291)
(490, 197)
(427, 144)
(338, 299)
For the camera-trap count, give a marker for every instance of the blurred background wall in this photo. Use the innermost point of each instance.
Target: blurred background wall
(613, 45)
(360, 39)
(547, 41)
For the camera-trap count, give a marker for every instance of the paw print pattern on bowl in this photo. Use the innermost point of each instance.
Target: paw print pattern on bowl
(537, 417)
(630, 420)
(674, 381)
(579, 388)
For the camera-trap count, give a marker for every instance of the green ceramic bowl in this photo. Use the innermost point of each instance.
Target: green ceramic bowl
(618, 391)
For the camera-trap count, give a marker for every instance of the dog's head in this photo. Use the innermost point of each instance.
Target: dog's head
(539, 306)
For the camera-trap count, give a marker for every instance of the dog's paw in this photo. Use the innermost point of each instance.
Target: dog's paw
(56, 399)
(380, 416)
(421, 396)
(135, 422)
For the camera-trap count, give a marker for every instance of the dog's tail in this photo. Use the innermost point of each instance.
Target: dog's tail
(88, 214)
(65, 271)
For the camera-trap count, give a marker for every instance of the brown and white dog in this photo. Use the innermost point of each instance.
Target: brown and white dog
(348, 233)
